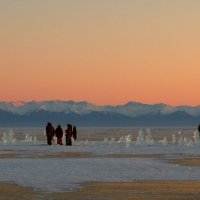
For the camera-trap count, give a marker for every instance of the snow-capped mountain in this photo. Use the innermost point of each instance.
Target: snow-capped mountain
(131, 109)
(87, 114)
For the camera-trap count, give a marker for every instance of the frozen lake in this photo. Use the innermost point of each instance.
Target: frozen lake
(100, 154)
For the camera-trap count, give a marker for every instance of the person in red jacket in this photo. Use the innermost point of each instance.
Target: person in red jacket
(50, 131)
(59, 134)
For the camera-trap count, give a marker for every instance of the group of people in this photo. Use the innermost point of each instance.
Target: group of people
(58, 132)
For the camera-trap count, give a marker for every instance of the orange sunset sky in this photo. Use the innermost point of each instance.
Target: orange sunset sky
(100, 51)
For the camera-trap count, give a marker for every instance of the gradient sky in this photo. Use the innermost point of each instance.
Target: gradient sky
(101, 51)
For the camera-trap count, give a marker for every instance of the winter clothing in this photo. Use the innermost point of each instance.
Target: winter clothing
(59, 135)
(50, 133)
(68, 135)
(74, 133)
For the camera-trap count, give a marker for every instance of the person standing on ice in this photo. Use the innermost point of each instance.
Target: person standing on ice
(59, 134)
(74, 133)
(199, 129)
(68, 135)
(50, 131)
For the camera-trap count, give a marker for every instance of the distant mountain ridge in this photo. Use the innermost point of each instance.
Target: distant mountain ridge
(86, 114)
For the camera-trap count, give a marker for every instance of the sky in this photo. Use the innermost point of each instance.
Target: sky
(100, 51)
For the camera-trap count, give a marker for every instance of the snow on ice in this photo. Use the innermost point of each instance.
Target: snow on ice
(57, 174)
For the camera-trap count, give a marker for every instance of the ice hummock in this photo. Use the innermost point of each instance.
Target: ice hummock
(8, 138)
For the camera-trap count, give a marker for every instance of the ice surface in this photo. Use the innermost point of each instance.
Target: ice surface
(58, 174)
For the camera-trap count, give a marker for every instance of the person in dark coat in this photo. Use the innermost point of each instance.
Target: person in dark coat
(74, 133)
(59, 134)
(68, 135)
(199, 128)
(50, 131)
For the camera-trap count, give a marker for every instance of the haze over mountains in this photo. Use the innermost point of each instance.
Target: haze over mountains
(87, 114)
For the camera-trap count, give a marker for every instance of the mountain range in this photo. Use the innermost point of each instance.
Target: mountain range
(86, 114)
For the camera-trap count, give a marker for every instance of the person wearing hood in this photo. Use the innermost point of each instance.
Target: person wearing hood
(68, 135)
(59, 134)
(50, 131)
(74, 133)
